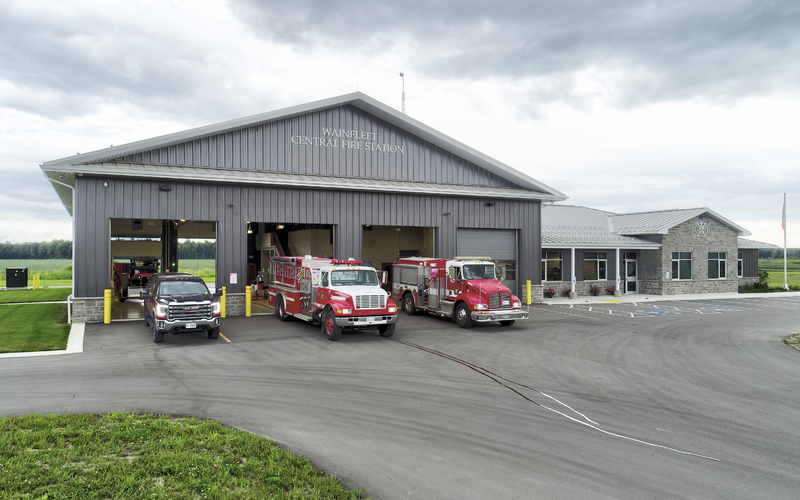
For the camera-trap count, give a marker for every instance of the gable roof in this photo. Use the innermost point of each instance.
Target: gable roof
(661, 221)
(106, 161)
(755, 245)
(572, 226)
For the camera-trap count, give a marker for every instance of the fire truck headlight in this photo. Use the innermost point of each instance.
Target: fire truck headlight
(344, 311)
(481, 307)
(392, 309)
(516, 304)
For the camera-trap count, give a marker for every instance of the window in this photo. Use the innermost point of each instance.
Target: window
(551, 266)
(717, 265)
(681, 265)
(594, 266)
(740, 266)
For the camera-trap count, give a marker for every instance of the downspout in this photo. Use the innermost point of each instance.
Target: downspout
(71, 296)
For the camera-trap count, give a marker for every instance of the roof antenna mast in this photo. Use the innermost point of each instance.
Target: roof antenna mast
(403, 77)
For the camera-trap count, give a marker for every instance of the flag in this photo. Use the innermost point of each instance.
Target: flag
(783, 215)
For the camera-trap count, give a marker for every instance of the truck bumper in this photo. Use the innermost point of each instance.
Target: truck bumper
(483, 316)
(365, 321)
(199, 325)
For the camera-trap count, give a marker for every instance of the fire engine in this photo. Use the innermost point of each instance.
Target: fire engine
(464, 288)
(336, 294)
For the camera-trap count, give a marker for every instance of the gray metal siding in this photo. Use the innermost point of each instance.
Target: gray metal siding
(268, 147)
(749, 263)
(232, 206)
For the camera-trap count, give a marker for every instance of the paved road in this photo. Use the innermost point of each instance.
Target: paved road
(571, 404)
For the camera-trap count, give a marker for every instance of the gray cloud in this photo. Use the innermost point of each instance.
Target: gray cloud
(652, 51)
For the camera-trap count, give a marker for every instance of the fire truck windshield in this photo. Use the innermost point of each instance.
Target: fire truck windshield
(479, 272)
(354, 277)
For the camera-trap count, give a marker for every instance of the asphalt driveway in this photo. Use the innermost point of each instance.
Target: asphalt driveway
(573, 403)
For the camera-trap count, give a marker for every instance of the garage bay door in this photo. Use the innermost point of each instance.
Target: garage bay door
(499, 244)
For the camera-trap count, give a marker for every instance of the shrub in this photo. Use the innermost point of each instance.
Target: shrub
(763, 278)
(594, 290)
(549, 292)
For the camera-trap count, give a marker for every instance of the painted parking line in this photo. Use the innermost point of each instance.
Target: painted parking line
(658, 311)
(224, 337)
(724, 309)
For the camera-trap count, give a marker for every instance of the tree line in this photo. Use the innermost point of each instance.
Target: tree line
(62, 249)
(791, 253)
(56, 249)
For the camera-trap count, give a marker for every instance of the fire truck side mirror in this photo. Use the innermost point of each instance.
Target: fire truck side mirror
(384, 277)
(501, 271)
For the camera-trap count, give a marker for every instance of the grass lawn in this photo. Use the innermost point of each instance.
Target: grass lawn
(776, 278)
(127, 456)
(40, 295)
(33, 327)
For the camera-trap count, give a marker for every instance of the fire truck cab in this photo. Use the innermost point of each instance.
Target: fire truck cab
(465, 289)
(338, 295)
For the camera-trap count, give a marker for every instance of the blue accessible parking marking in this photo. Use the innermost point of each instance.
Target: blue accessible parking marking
(655, 311)
(723, 309)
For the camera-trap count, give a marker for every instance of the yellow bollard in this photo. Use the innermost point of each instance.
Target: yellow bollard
(529, 292)
(222, 303)
(248, 301)
(107, 306)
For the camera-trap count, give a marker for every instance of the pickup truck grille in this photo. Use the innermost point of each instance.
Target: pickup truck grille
(500, 301)
(370, 301)
(188, 312)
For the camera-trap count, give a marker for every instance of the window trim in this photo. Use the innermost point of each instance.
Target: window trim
(560, 267)
(597, 259)
(677, 258)
(721, 261)
(740, 265)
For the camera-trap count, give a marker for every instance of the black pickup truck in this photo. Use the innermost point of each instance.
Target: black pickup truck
(180, 303)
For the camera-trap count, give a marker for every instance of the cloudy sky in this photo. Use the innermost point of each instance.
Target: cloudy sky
(625, 106)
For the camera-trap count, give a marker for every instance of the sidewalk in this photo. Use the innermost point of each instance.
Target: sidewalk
(604, 299)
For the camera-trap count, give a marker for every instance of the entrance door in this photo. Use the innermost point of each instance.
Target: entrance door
(631, 265)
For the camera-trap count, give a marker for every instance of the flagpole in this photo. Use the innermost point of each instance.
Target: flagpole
(783, 223)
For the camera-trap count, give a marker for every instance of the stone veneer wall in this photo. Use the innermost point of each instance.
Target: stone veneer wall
(235, 304)
(581, 287)
(654, 264)
(88, 310)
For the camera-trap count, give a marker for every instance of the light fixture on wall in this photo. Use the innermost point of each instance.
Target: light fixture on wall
(249, 229)
(105, 184)
(490, 204)
(280, 226)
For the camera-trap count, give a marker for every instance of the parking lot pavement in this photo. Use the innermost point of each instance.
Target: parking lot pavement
(569, 404)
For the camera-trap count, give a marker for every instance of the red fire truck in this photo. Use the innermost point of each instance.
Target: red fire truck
(465, 288)
(334, 293)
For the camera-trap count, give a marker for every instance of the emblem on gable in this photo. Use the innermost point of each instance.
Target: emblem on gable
(702, 228)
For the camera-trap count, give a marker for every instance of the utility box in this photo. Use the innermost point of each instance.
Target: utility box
(16, 277)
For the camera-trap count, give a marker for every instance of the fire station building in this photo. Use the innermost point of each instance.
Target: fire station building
(343, 177)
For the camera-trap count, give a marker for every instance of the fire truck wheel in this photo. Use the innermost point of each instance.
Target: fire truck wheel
(280, 309)
(408, 304)
(463, 317)
(329, 326)
(213, 333)
(386, 330)
(158, 337)
(507, 323)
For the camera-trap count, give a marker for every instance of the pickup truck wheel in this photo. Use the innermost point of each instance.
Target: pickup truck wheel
(408, 304)
(463, 317)
(329, 326)
(386, 330)
(507, 323)
(280, 309)
(158, 337)
(213, 333)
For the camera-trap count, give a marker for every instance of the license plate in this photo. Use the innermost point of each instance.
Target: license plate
(506, 303)
(191, 325)
(369, 320)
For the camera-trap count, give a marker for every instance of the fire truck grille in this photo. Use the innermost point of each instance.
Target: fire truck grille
(188, 312)
(500, 301)
(370, 301)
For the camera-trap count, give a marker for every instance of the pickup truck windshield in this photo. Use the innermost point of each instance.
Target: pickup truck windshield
(479, 272)
(182, 288)
(354, 277)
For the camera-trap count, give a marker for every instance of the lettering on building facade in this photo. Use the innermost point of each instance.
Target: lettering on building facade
(347, 139)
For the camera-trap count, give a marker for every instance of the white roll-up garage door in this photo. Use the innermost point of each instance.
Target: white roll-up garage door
(499, 244)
